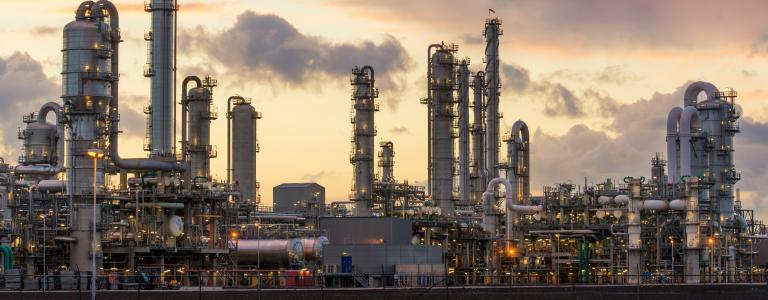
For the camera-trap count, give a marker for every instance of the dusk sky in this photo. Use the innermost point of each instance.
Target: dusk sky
(594, 79)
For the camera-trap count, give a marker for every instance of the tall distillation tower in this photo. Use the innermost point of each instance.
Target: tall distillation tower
(161, 69)
(442, 109)
(364, 95)
(492, 85)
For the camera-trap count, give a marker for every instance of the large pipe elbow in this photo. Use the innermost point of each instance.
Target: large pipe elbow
(49, 107)
(690, 97)
(83, 9)
(673, 166)
(689, 124)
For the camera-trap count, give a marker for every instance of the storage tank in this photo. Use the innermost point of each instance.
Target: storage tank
(313, 247)
(200, 149)
(40, 141)
(244, 148)
(272, 253)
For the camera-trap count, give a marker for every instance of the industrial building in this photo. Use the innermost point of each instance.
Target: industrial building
(72, 206)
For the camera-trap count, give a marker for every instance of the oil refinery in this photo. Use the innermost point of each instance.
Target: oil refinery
(72, 205)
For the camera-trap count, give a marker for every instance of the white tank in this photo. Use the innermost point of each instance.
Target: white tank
(273, 253)
(313, 247)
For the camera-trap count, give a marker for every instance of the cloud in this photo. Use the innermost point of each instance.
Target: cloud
(558, 100)
(24, 87)
(315, 177)
(269, 48)
(582, 26)
(473, 39)
(45, 30)
(400, 130)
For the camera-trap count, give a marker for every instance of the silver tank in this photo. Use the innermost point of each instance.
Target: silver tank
(200, 149)
(244, 148)
(270, 253)
(86, 91)
(313, 247)
(40, 141)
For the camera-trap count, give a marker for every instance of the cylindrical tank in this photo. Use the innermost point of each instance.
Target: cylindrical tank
(86, 91)
(270, 253)
(40, 141)
(313, 247)
(200, 149)
(244, 148)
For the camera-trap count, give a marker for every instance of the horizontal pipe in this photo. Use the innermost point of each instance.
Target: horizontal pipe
(156, 205)
(52, 185)
(47, 170)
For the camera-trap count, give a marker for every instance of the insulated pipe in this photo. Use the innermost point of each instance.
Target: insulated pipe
(689, 124)
(46, 170)
(673, 150)
(52, 186)
(184, 112)
(229, 137)
(124, 163)
(690, 97)
(82, 10)
(488, 197)
(518, 156)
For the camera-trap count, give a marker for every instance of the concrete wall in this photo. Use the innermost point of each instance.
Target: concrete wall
(381, 259)
(367, 230)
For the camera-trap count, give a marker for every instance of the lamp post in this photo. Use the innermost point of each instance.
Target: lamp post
(672, 253)
(95, 154)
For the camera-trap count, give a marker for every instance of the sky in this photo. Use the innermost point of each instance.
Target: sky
(593, 79)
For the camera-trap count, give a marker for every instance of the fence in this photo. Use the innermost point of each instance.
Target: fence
(275, 280)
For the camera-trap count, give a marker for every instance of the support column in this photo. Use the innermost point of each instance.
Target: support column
(692, 232)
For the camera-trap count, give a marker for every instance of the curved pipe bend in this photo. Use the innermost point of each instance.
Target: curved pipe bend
(694, 89)
(673, 152)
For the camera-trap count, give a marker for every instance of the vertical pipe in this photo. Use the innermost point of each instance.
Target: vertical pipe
(479, 172)
(673, 147)
(464, 138)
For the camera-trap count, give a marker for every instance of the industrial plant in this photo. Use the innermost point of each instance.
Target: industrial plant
(76, 215)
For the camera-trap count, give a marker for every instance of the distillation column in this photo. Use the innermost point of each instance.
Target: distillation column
(634, 251)
(87, 91)
(463, 125)
(246, 146)
(442, 102)
(364, 95)
(161, 70)
(479, 172)
(200, 150)
(492, 85)
(386, 165)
